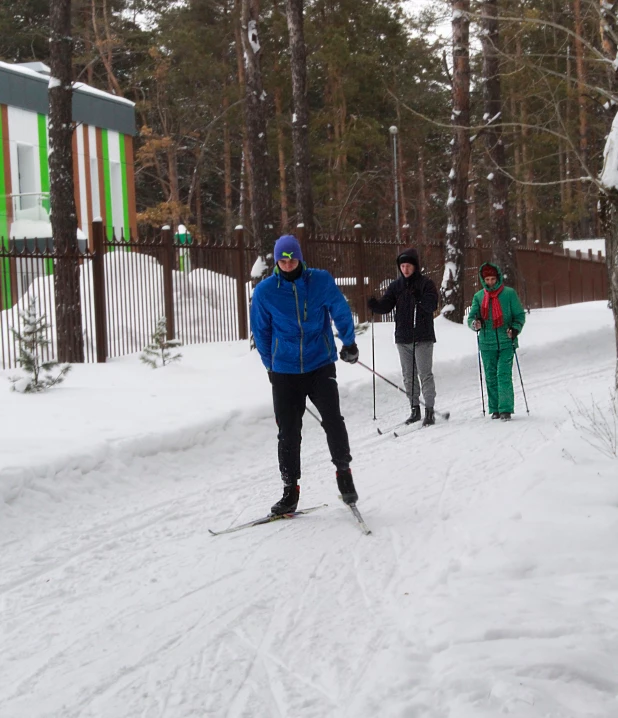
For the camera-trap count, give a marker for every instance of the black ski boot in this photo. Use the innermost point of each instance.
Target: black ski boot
(430, 418)
(288, 502)
(495, 415)
(505, 416)
(346, 486)
(415, 415)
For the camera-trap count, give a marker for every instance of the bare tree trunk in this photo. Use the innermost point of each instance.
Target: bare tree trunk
(502, 248)
(255, 114)
(62, 197)
(105, 47)
(472, 218)
(227, 170)
(519, 194)
(300, 120)
(584, 215)
(198, 202)
(422, 197)
(568, 165)
(526, 160)
(457, 231)
(283, 183)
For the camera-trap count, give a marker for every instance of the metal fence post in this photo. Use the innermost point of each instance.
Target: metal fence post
(360, 273)
(241, 283)
(98, 289)
(167, 240)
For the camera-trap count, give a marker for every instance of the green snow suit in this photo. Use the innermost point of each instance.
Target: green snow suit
(497, 350)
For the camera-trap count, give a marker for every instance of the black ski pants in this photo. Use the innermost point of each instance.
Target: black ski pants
(290, 392)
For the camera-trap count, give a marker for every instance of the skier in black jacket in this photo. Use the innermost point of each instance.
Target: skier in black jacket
(414, 298)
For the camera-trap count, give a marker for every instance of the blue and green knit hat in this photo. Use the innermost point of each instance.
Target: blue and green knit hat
(288, 247)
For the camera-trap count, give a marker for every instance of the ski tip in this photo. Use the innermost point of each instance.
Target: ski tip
(212, 533)
(395, 434)
(379, 431)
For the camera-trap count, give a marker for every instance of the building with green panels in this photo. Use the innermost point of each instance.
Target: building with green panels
(102, 163)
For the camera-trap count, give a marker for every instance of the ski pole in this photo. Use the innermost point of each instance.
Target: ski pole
(478, 344)
(521, 379)
(315, 416)
(444, 415)
(373, 361)
(414, 378)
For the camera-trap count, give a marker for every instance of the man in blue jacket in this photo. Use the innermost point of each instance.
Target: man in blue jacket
(291, 314)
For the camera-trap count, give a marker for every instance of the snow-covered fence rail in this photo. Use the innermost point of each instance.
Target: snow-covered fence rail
(202, 286)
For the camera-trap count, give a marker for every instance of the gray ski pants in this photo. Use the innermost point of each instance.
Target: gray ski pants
(423, 366)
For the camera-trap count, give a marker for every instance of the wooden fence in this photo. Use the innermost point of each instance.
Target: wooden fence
(203, 288)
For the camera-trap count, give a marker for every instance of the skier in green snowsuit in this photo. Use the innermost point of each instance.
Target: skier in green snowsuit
(498, 316)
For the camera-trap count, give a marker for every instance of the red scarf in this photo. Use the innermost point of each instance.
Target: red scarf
(496, 309)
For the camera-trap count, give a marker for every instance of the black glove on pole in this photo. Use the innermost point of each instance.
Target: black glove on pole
(349, 354)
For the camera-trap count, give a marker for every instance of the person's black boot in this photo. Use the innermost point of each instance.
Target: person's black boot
(505, 416)
(415, 415)
(430, 418)
(288, 502)
(495, 415)
(346, 486)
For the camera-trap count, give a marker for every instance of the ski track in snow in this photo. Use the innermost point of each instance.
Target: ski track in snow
(123, 605)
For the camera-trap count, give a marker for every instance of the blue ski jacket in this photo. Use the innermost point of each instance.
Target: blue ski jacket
(291, 321)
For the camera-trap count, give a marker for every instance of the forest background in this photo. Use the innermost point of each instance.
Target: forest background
(370, 64)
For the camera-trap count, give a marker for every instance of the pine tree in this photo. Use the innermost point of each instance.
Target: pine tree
(160, 348)
(32, 340)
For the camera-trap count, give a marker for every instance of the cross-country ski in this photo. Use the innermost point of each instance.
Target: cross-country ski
(265, 520)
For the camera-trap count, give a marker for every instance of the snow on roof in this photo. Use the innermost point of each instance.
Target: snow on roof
(40, 67)
(43, 76)
(94, 91)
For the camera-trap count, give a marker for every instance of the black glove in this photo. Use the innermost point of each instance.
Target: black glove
(514, 332)
(372, 303)
(349, 353)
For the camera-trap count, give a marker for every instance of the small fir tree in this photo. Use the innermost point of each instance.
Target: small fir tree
(159, 351)
(32, 340)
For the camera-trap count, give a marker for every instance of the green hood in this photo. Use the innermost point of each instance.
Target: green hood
(497, 268)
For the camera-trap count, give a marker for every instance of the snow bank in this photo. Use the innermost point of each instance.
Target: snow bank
(488, 588)
(123, 406)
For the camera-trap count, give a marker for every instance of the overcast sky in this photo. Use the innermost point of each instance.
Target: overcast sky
(413, 7)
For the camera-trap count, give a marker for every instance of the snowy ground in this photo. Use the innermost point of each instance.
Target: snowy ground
(489, 586)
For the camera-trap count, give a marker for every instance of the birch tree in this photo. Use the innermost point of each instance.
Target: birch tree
(457, 205)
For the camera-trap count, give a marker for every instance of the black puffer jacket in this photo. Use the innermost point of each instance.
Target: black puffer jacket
(400, 296)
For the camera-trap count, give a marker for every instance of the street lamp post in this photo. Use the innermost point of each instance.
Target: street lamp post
(393, 130)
